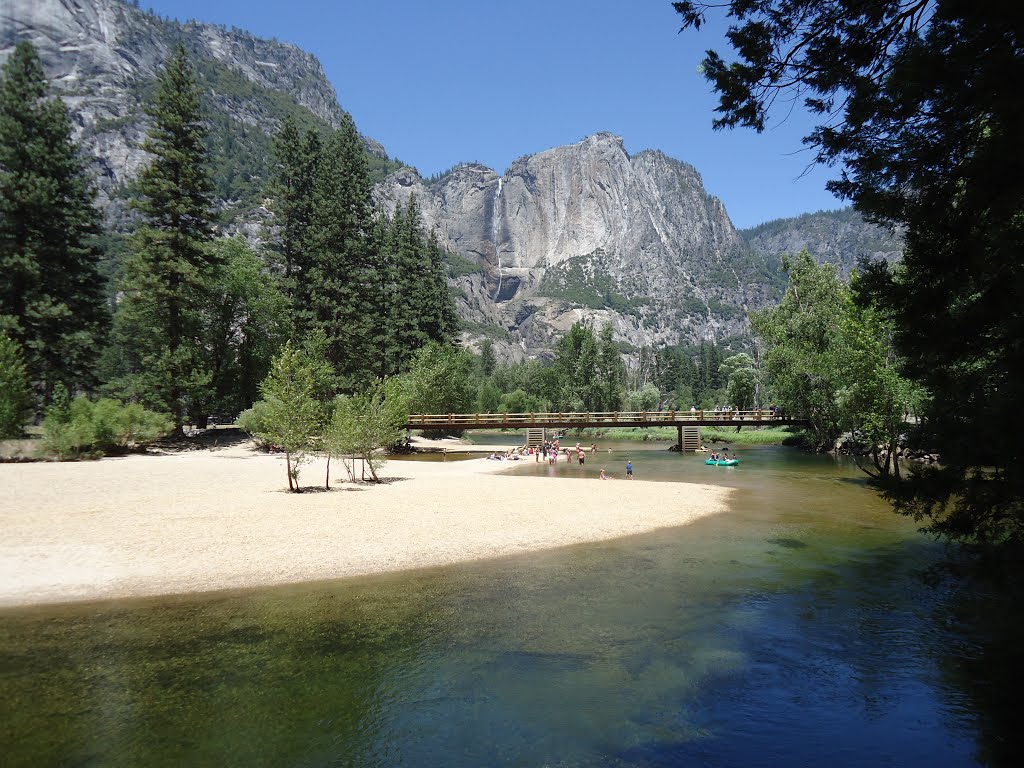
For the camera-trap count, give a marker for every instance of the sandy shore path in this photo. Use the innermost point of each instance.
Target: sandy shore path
(207, 520)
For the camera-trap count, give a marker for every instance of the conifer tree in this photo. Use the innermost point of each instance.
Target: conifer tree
(51, 299)
(413, 289)
(443, 320)
(15, 394)
(423, 310)
(390, 354)
(167, 276)
(296, 159)
(610, 371)
(343, 278)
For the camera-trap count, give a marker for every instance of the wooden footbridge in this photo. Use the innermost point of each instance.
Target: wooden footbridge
(690, 421)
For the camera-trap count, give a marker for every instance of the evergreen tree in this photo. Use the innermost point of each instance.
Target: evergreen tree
(919, 102)
(51, 299)
(442, 319)
(413, 289)
(576, 358)
(169, 273)
(15, 393)
(343, 280)
(487, 358)
(289, 238)
(610, 372)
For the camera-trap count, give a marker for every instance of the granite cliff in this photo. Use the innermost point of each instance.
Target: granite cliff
(590, 231)
(101, 57)
(586, 231)
(836, 237)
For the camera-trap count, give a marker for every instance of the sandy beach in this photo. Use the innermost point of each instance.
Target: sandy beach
(215, 519)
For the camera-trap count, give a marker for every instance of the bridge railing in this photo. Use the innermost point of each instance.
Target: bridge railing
(428, 420)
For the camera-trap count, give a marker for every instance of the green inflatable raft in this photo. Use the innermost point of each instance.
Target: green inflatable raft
(729, 463)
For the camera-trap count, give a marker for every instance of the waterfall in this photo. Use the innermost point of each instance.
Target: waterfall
(495, 233)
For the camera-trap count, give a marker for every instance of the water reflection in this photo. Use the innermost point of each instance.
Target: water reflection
(793, 630)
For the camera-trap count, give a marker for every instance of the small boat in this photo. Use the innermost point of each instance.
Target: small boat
(728, 463)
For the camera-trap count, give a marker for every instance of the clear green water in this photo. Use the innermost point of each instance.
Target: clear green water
(799, 629)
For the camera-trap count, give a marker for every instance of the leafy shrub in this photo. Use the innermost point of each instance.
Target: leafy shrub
(15, 392)
(255, 421)
(86, 429)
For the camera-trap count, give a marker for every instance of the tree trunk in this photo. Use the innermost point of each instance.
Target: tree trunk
(373, 472)
(327, 477)
(288, 469)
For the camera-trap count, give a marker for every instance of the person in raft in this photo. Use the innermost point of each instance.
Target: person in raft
(629, 470)
(603, 475)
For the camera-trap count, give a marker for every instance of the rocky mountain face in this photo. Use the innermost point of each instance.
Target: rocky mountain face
(101, 57)
(586, 231)
(589, 231)
(836, 237)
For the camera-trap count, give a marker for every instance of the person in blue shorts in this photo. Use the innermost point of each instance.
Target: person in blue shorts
(629, 470)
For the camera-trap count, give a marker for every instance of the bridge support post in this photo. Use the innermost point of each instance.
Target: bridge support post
(679, 438)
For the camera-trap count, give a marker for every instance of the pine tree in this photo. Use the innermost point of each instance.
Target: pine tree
(423, 310)
(610, 371)
(343, 278)
(15, 393)
(167, 276)
(296, 159)
(51, 299)
(413, 290)
(443, 319)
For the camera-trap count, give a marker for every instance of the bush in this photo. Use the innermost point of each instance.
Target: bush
(15, 393)
(254, 421)
(87, 429)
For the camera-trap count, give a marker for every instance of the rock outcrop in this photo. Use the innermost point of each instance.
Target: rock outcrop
(102, 56)
(589, 231)
(835, 237)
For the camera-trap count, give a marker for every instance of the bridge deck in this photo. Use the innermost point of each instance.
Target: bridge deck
(756, 418)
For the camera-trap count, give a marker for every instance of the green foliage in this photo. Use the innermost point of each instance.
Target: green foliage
(292, 413)
(242, 156)
(875, 399)
(919, 104)
(51, 295)
(440, 380)
(803, 352)
(421, 308)
(368, 421)
(15, 392)
(167, 281)
(832, 361)
(589, 370)
(487, 359)
(750, 436)
(743, 380)
(87, 429)
(586, 281)
(255, 421)
(459, 266)
(289, 237)
(645, 399)
(248, 321)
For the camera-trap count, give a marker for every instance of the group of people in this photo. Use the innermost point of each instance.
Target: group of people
(552, 449)
(725, 410)
(723, 456)
(512, 454)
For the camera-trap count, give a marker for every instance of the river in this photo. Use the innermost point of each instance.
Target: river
(809, 625)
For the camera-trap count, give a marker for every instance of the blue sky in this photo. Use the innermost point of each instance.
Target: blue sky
(487, 81)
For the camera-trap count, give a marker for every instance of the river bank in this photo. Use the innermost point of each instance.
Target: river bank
(216, 519)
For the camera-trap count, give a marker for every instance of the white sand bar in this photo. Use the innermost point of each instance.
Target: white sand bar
(217, 519)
